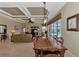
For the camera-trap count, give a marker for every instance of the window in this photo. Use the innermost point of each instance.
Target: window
(55, 29)
(3, 29)
(43, 29)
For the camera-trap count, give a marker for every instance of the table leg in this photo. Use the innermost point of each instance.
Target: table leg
(41, 55)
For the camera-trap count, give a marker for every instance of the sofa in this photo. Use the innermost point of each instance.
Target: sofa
(21, 38)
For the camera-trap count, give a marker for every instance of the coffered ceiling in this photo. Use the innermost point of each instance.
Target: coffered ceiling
(12, 10)
(22, 11)
(37, 10)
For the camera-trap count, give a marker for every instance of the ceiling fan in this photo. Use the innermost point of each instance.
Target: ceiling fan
(30, 21)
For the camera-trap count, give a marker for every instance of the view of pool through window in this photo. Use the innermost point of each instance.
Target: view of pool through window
(55, 28)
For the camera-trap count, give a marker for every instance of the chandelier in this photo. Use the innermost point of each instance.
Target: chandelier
(45, 29)
(45, 13)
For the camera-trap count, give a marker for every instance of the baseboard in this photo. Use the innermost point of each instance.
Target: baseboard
(69, 54)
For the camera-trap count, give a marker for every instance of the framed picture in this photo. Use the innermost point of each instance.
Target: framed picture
(73, 23)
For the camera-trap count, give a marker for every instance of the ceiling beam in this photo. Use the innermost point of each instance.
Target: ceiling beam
(24, 11)
(28, 13)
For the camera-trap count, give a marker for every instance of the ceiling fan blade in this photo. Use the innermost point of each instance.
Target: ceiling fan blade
(30, 20)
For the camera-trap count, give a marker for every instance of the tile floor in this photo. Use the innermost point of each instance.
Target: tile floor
(9, 49)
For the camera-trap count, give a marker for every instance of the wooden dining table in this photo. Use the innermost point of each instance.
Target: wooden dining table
(42, 44)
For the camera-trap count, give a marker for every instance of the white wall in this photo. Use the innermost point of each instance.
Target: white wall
(10, 25)
(71, 37)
